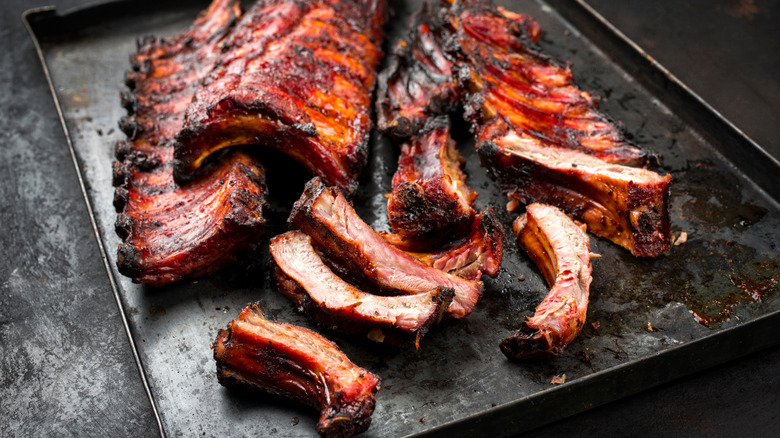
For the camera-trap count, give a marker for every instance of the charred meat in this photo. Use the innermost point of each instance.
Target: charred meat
(304, 278)
(511, 86)
(478, 252)
(294, 75)
(420, 81)
(168, 232)
(297, 363)
(626, 205)
(429, 188)
(360, 254)
(561, 250)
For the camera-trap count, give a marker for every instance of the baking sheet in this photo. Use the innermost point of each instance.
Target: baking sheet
(712, 299)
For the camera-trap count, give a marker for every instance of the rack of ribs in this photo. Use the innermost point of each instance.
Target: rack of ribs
(304, 278)
(530, 118)
(561, 250)
(296, 76)
(296, 363)
(169, 232)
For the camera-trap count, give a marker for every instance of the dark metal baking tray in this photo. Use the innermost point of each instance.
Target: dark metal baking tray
(712, 299)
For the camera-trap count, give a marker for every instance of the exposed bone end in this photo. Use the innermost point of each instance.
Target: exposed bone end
(531, 342)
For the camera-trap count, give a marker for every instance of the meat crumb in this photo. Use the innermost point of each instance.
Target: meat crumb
(558, 380)
(682, 239)
(596, 324)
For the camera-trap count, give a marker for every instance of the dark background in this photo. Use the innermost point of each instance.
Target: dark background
(66, 368)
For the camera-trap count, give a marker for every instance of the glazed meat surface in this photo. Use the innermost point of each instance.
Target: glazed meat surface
(429, 188)
(478, 251)
(296, 76)
(626, 205)
(304, 278)
(511, 86)
(421, 81)
(561, 250)
(297, 363)
(360, 254)
(169, 233)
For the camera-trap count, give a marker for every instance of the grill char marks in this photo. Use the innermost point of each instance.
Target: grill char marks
(296, 76)
(430, 193)
(171, 233)
(561, 250)
(419, 82)
(303, 278)
(360, 254)
(299, 364)
(511, 86)
(626, 205)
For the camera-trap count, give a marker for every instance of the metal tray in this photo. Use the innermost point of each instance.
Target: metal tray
(712, 299)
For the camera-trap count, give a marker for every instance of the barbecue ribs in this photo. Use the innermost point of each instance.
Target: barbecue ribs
(429, 188)
(294, 75)
(359, 254)
(478, 251)
(561, 250)
(304, 278)
(537, 133)
(626, 205)
(297, 363)
(168, 232)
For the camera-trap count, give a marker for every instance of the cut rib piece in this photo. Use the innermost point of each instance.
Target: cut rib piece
(171, 233)
(626, 205)
(478, 252)
(429, 188)
(297, 363)
(359, 253)
(296, 76)
(561, 250)
(304, 279)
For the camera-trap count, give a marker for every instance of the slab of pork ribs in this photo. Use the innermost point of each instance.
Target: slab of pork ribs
(294, 75)
(561, 250)
(519, 99)
(297, 363)
(169, 232)
(304, 278)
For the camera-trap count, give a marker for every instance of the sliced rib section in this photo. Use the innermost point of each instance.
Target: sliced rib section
(478, 252)
(561, 250)
(296, 76)
(170, 233)
(304, 278)
(359, 253)
(297, 363)
(429, 187)
(626, 205)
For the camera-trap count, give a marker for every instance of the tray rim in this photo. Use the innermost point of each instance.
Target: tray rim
(732, 338)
